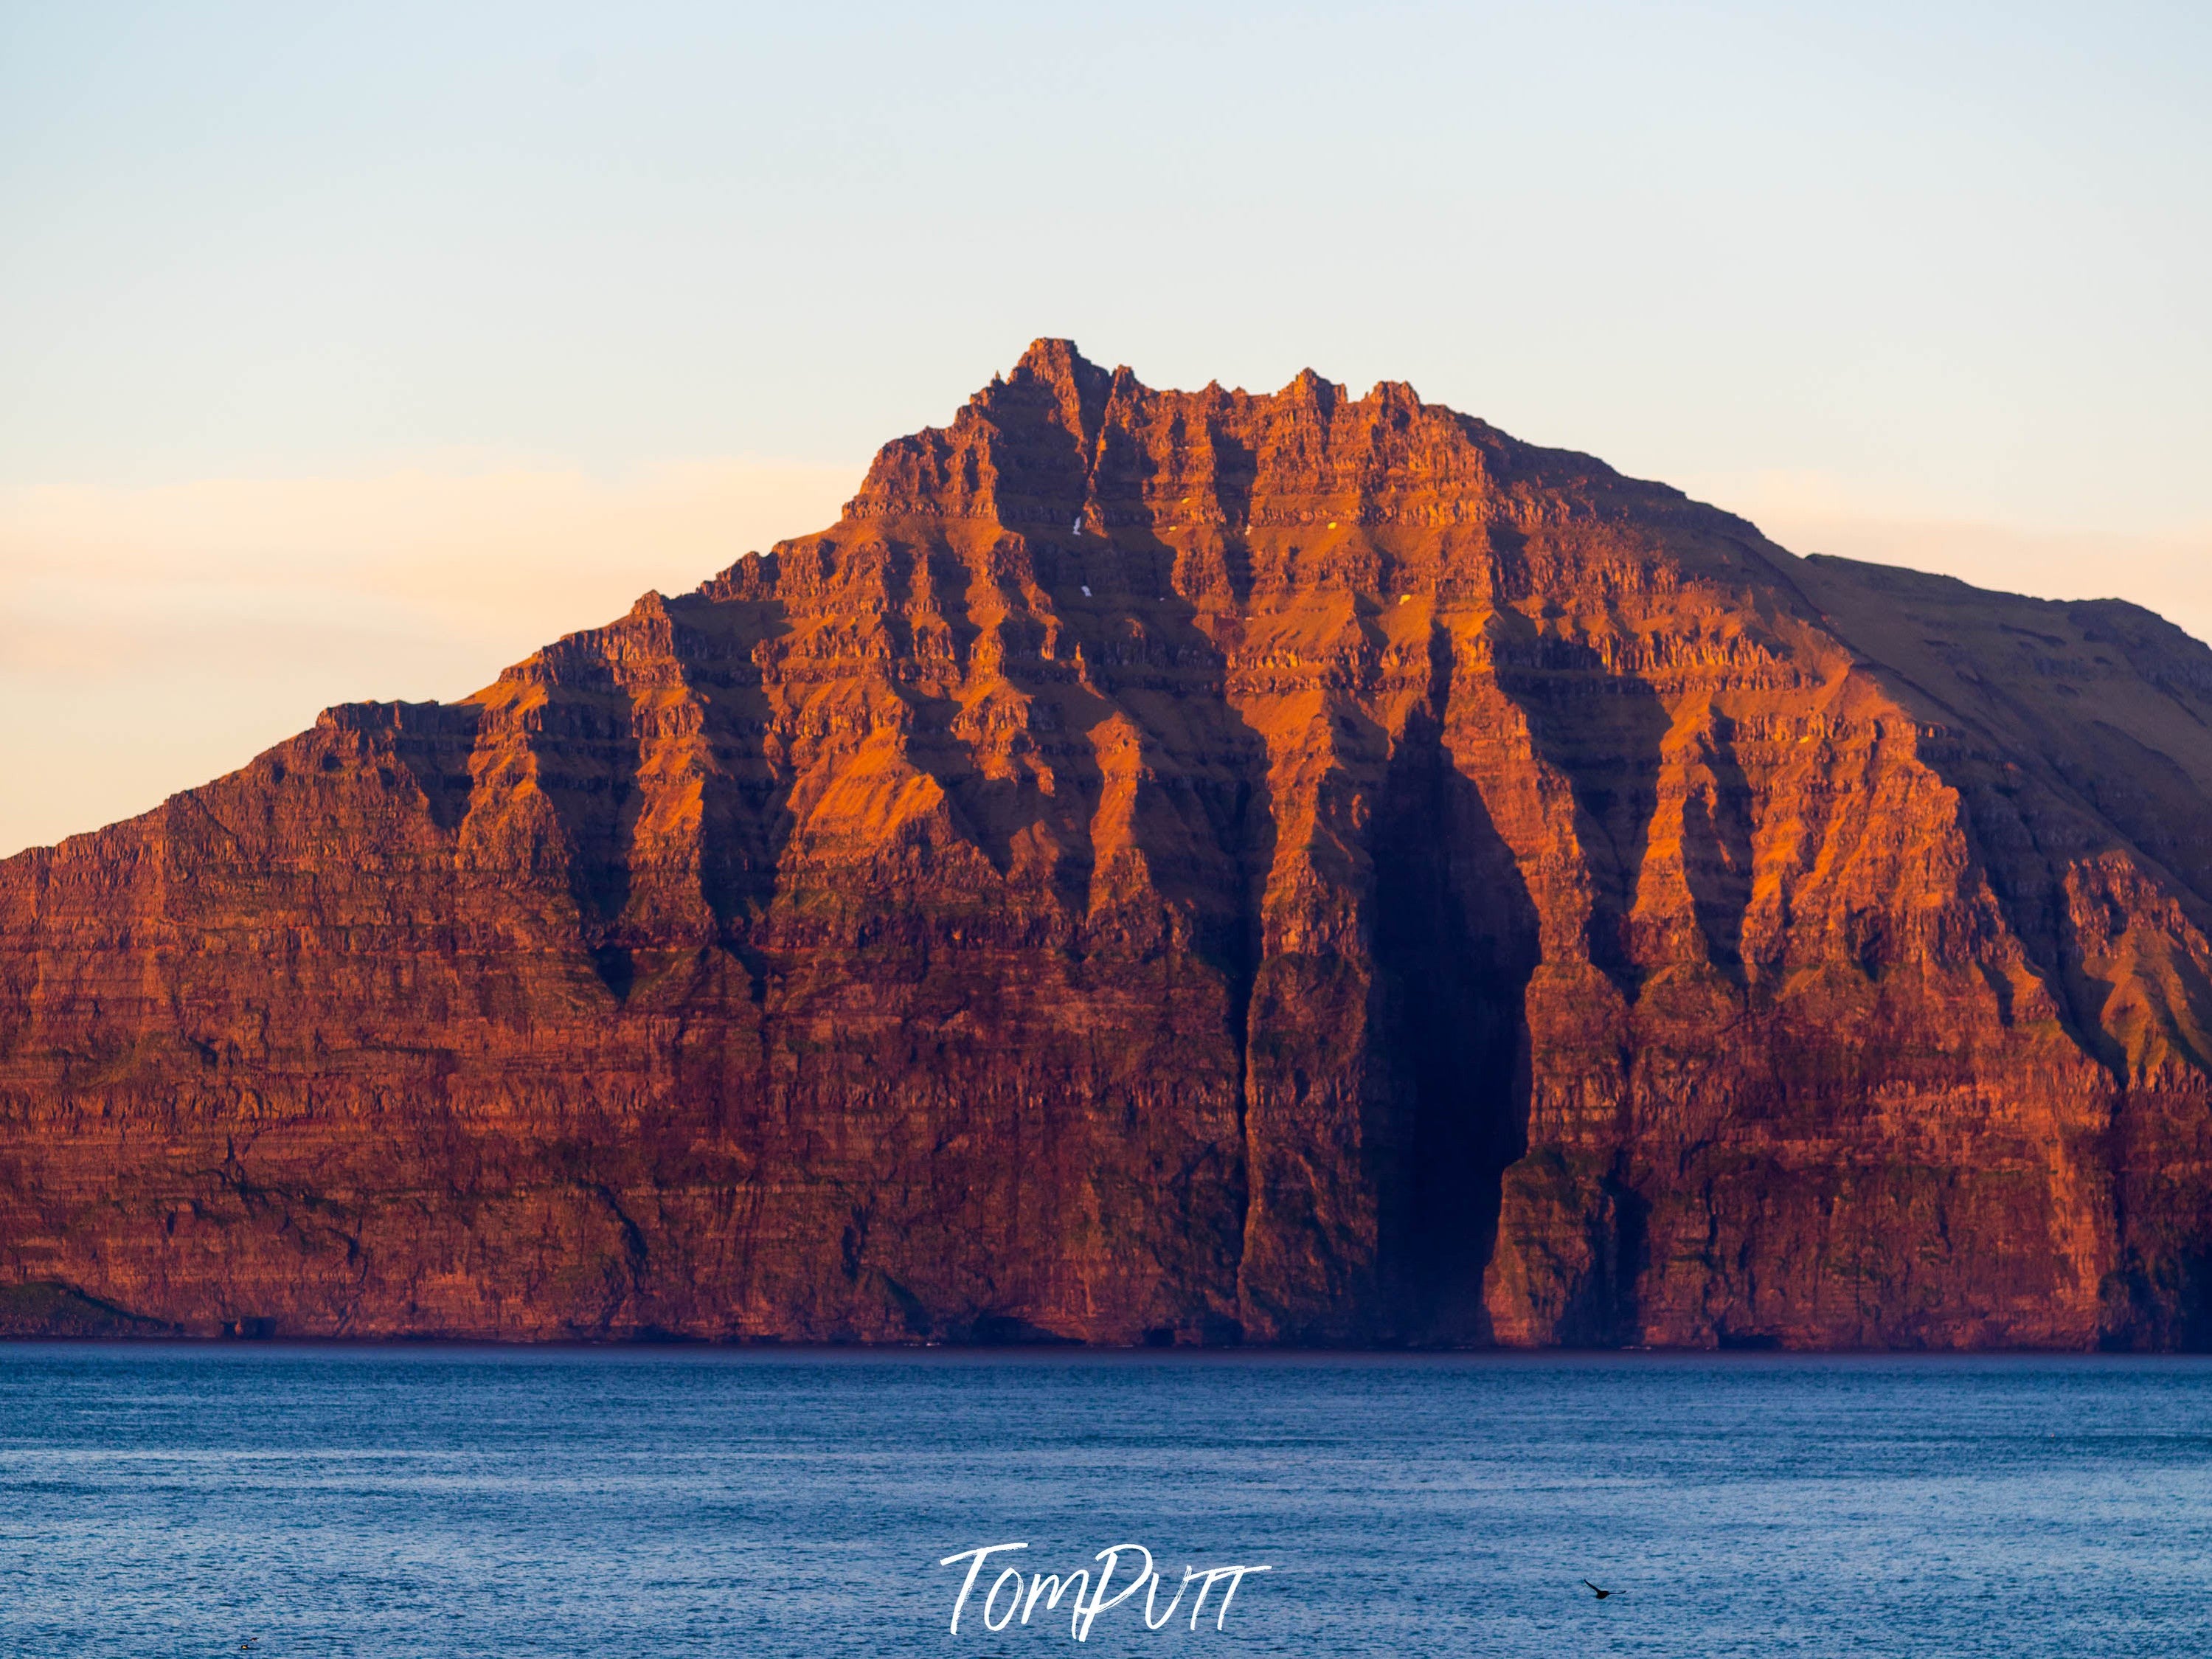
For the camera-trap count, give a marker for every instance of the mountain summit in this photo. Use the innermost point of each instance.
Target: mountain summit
(1170, 867)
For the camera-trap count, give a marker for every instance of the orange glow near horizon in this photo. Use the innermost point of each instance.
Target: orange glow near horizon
(153, 638)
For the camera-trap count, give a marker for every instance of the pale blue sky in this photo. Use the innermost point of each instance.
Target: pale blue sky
(1834, 265)
(1960, 253)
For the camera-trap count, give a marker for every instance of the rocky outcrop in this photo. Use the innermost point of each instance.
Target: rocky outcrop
(1172, 867)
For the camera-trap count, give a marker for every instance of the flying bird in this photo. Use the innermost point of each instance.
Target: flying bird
(1596, 1591)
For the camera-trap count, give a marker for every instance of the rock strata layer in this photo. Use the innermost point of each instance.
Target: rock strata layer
(1170, 867)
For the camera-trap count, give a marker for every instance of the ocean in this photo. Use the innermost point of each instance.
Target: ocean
(177, 1499)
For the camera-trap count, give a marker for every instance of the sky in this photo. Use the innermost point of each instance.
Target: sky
(354, 352)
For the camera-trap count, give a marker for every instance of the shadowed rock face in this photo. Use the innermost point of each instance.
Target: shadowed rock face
(1170, 867)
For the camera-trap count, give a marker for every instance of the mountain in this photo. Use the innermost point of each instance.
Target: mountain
(1170, 867)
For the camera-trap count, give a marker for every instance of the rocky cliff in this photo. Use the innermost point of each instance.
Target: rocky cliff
(1170, 867)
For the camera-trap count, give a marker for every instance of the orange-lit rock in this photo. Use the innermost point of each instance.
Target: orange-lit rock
(1170, 867)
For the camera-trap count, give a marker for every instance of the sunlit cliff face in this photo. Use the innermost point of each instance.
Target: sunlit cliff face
(1172, 867)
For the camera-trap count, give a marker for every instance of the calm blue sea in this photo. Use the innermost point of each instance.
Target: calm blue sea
(173, 1500)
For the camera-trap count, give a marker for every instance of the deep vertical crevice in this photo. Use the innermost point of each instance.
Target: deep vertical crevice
(1717, 852)
(1456, 947)
(588, 752)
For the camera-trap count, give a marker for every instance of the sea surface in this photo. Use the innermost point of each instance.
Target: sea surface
(163, 1500)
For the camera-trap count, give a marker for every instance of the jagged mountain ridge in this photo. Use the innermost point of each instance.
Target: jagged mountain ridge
(1170, 867)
